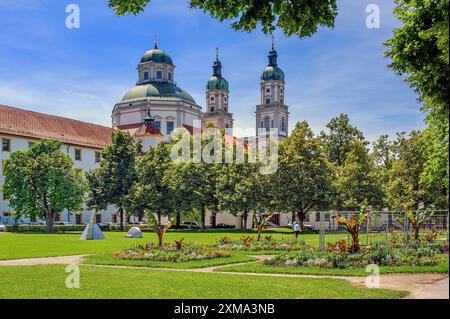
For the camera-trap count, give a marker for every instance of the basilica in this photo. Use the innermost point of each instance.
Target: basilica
(149, 111)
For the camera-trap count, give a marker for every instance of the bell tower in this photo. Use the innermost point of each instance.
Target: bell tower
(272, 112)
(217, 94)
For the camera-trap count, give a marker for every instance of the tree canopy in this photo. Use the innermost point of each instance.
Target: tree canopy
(112, 181)
(41, 181)
(419, 51)
(300, 17)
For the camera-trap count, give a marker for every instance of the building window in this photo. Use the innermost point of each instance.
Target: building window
(170, 126)
(98, 156)
(77, 154)
(158, 125)
(267, 101)
(98, 218)
(58, 217)
(158, 75)
(212, 108)
(6, 145)
(262, 124)
(271, 123)
(225, 109)
(78, 219)
(212, 98)
(169, 76)
(283, 125)
(268, 90)
(145, 75)
(281, 90)
(281, 101)
(114, 218)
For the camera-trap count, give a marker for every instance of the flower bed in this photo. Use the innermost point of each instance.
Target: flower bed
(383, 254)
(171, 253)
(251, 244)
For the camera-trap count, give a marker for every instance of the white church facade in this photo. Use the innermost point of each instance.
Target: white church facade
(150, 111)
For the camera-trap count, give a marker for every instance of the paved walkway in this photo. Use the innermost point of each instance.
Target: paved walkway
(66, 260)
(437, 291)
(420, 285)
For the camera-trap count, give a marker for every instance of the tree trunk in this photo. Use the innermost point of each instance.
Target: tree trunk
(416, 232)
(49, 220)
(245, 215)
(178, 221)
(213, 219)
(159, 219)
(121, 218)
(203, 217)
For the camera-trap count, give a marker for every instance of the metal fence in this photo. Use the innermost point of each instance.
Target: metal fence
(381, 226)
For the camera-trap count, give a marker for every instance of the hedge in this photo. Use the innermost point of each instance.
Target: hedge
(68, 228)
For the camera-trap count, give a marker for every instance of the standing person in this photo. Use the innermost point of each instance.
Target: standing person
(297, 228)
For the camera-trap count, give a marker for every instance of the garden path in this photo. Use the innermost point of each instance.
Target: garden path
(420, 285)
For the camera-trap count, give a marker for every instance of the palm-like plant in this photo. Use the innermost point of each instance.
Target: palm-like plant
(159, 229)
(262, 224)
(352, 225)
(416, 219)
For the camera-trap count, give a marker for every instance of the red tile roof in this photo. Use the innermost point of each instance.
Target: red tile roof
(19, 122)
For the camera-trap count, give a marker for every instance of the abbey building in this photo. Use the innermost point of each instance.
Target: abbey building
(150, 110)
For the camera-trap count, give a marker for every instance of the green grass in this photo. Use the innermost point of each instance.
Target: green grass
(48, 281)
(108, 260)
(261, 268)
(24, 245)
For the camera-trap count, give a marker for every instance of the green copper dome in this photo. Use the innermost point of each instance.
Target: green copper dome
(158, 90)
(272, 73)
(217, 83)
(156, 55)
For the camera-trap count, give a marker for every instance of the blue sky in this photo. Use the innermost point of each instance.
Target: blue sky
(82, 73)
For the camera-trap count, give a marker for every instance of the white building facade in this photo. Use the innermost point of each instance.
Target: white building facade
(149, 111)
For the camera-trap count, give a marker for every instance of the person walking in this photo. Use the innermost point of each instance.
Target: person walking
(296, 228)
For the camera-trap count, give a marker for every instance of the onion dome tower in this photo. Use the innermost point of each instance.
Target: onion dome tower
(272, 112)
(217, 94)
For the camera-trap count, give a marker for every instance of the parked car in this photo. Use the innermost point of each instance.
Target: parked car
(2, 228)
(192, 225)
(222, 225)
(62, 223)
(309, 227)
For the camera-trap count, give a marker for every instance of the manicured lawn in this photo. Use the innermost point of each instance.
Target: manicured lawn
(260, 268)
(103, 282)
(23, 245)
(108, 260)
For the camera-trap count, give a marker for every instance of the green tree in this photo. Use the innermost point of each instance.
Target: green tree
(300, 18)
(41, 181)
(237, 188)
(339, 140)
(384, 157)
(150, 193)
(303, 179)
(111, 183)
(419, 51)
(356, 180)
(193, 181)
(404, 187)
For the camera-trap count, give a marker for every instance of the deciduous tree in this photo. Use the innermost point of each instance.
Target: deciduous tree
(41, 181)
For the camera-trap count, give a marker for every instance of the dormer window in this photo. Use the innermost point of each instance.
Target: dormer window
(158, 75)
(169, 76)
(145, 76)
